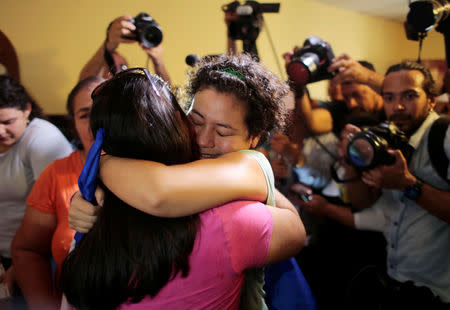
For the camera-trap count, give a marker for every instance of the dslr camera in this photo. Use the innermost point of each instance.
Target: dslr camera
(248, 23)
(147, 30)
(368, 148)
(310, 63)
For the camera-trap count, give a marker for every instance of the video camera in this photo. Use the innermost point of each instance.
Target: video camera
(426, 15)
(423, 16)
(310, 63)
(368, 148)
(147, 30)
(247, 23)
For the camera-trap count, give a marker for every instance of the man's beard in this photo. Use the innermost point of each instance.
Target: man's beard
(401, 120)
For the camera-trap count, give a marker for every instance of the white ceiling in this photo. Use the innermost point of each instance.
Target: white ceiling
(389, 9)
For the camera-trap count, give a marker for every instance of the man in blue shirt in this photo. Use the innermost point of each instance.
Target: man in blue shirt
(408, 201)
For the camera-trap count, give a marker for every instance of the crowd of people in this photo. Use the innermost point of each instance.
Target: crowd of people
(194, 200)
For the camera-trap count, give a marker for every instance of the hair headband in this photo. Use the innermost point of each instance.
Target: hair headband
(234, 72)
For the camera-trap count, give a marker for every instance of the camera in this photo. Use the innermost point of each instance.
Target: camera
(248, 22)
(423, 16)
(310, 63)
(368, 148)
(147, 30)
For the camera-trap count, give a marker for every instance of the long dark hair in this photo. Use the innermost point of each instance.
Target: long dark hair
(14, 95)
(428, 85)
(129, 254)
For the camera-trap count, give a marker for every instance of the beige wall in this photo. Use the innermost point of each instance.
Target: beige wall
(54, 39)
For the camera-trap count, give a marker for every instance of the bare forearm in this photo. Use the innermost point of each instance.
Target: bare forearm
(340, 214)
(96, 66)
(318, 120)
(283, 203)
(160, 69)
(360, 195)
(33, 273)
(180, 190)
(375, 81)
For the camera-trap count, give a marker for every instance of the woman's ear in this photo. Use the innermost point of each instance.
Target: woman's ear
(432, 102)
(254, 141)
(27, 110)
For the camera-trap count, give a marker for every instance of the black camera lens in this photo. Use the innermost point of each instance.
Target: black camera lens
(151, 36)
(369, 148)
(147, 30)
(361, 152)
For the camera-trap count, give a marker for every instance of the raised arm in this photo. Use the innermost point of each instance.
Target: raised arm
(156, 56)
(348, 69)
(117, 32)
(180, 190)
(318, 120)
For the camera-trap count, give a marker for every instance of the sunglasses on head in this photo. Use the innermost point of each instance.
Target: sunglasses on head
(141, 71)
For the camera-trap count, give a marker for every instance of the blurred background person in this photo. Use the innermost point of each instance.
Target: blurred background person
(107, 61)
(44, 233)
(27, 145)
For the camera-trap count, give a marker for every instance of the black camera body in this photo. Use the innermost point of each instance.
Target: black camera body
(368, 148)
(147, 30)
(249, 21)
(310, 63)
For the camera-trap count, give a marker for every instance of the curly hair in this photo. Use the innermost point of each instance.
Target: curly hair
(428, 85)
(249, 81)
(14, 95)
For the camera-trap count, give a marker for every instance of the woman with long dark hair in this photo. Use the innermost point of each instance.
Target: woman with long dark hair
(135, 260)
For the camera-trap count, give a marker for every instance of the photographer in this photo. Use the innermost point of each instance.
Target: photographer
(359, 85)
(121, 30)
(409, 201)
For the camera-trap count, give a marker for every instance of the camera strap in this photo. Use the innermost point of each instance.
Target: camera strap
(436, 150)
(107, 55)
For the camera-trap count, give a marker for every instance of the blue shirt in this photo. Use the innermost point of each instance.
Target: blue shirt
(418, 243)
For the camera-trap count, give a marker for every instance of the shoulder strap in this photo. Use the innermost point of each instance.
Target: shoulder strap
(268, 173)
(436, 138)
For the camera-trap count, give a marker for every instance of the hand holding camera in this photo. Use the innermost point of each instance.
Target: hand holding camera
(126, 29)
(311, 203)
(380, 153)
(368, 148)
(121, 30)
(347, 69)
(395, 176)
(309, 63)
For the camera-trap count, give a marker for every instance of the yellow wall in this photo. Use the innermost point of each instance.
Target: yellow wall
(54, 39)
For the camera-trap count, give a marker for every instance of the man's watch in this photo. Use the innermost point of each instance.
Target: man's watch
(414, 191)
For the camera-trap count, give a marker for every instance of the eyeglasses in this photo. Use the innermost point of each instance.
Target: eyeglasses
(142, 71)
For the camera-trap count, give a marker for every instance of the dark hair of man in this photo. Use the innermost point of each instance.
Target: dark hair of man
(428, 85)
(367, 65)
(14, 95)
(253, 83)
(129, 254)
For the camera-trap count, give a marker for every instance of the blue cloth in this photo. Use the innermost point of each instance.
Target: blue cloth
(286, 287)
(87, 182)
